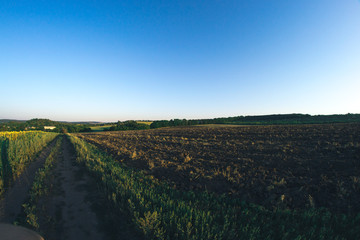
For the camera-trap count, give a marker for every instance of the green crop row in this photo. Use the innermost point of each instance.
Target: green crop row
(17, 150)
(40, 187)
(161, 212)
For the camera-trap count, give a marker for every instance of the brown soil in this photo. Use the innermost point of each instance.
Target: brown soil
(290, 166)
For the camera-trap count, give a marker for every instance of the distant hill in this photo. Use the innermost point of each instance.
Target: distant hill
(291, 119)
(274, 119)
(83, 122)
(11, 120)
(89, 122)
(38, 122)
(43, 124)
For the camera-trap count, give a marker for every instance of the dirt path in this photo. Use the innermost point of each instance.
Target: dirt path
(75, 208)
(78, 207)
(14, 197)
(69, 203)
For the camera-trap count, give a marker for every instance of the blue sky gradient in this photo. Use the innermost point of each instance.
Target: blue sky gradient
(119, 60)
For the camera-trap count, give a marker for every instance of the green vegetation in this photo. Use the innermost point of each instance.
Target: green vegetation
(174, 122)
(40, 188)
(263, 120)
(64, 127)
(39, 124)
(100, 128)
(129, 125)
(121, 126)
(162, 212)
(290, 119)
(145, 122)
(17, 150)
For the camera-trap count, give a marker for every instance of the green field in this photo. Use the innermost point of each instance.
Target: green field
(101, 128)
(17, 150)
(145, 122)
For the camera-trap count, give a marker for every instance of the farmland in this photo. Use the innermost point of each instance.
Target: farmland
(17, 150)
(101, 127)
(190, 182)
(248, 182)
(275, 166)
(145, 122)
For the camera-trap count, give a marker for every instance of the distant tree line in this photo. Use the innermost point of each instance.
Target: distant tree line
(263, 120)
(173, 123)
(128, 125)
(39, 124)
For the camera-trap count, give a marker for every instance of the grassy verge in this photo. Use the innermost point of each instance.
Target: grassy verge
(161, 212)
(40, 188)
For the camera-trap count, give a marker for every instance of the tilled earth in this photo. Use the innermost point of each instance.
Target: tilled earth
(290, 166)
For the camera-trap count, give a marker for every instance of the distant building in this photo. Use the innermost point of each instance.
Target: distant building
(49, 127)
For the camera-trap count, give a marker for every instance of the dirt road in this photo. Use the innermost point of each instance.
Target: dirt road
(75, 208)
(69, 203)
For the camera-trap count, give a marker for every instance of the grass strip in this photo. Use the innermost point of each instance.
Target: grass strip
(40, 188)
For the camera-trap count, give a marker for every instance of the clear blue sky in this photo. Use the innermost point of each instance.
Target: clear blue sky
(119, 60)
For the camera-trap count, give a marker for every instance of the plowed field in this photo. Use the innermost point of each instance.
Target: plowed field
(276, 166)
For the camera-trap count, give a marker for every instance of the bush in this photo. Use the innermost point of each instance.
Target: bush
(129, 125)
